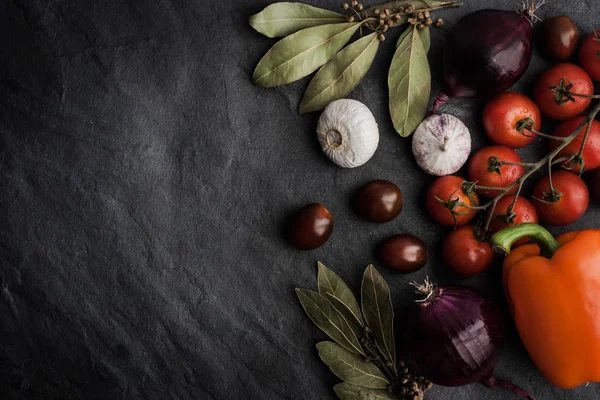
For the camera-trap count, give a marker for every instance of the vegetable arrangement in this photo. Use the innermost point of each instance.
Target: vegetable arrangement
(550, 297)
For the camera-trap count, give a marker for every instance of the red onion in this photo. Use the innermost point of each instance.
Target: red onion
(486, 53)
(454, 336)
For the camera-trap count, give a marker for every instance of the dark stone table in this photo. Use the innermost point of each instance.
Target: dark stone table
(144, 180)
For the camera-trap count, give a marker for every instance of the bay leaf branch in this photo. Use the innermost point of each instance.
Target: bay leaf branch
(378, 312)
(351, 367)
(409, 80)
(302, 53)
(338, 293)
(329, 320)
(282, 19)
(336, 79)
(347, 391)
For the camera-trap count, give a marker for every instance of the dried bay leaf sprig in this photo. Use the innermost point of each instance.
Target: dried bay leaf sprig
(371, 372)
(316, 40)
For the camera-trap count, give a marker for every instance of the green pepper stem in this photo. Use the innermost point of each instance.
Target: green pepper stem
(504, 239)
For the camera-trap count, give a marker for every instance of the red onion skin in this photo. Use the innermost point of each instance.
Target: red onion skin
(486, 53)
(453, 338)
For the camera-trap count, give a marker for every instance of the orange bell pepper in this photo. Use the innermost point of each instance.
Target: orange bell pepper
(553, 290)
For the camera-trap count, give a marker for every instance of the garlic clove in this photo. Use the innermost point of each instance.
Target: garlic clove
(441, 144)
(348, 133)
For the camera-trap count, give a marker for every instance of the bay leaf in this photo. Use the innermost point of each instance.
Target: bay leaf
(346, 391)
(338, 293)
(378, 312)
(329, 320)
(351, 367)
(301, 53)
(341, 74)
(409, 81)
(282, 19)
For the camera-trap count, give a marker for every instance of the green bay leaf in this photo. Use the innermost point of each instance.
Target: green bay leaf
(341, 74)
(329, 320)
(409, 81)
(346, 391)
(301, 53)
(351, 367)
(339, 294)
(378, 312)
(282, 19)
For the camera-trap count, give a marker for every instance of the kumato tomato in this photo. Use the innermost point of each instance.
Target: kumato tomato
(486, 169)
(591, 151)
(464, 254)
(443, 201)
(505, 113)
(559, 37)
(566, 204)
(589, 55)
(545, 96)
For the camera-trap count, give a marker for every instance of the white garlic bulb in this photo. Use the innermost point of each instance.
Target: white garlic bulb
(348, 133)
(441, 144)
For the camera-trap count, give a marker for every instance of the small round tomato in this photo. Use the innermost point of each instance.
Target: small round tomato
(559, 37)
(502, 115)
(568, 202)
(310, 227)
(464, 254)
(591, 151)
(485, 168)
(589, 55)
(545, 97)
(522, 212)
(443, 199)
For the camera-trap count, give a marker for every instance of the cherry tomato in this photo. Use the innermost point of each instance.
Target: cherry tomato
(559, 37)
(483, 171)
(592, 179)
(449, 190)
(522, 212)
(404, 253)
(589, 55)
(378, 201)
(591, 151)
(464, 254)
(502, 114)
(572, 199)
(545, 98)
(310, 227)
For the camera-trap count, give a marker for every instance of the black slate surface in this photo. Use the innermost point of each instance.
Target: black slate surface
(143, 183)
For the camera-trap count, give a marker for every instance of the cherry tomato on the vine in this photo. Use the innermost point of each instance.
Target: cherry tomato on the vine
(591, 151)
(568, 202)
(466, 255)
(485, 169)
(545, 97)
(502, 116)
(589, 55)
(443, 198)
(523, 211)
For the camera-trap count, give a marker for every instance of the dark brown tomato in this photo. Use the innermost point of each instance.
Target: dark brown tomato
(592, 178)
(310, 227)
(378, 201)
(559, 37)
(405, 253)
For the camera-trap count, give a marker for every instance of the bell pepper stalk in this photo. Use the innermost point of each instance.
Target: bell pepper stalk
(554, 300)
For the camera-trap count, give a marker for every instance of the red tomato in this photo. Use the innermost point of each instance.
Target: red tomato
(571, 205)
(522, 212)
(591, 151)
(466, 255)
(449, 190)
(502, 114)
(545, 97)
(481, 171)
(589, 55)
